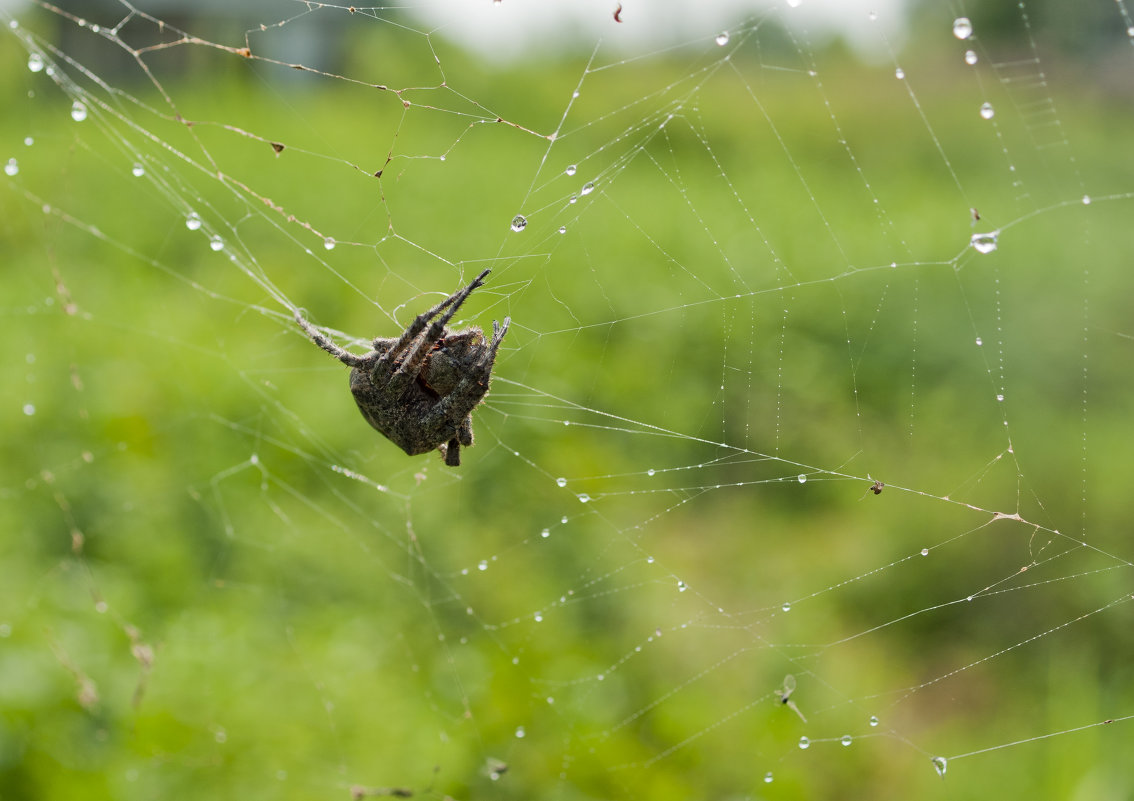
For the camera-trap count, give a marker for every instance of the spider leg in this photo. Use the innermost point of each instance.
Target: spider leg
(344, 356)
(452, 452)
(411, 365)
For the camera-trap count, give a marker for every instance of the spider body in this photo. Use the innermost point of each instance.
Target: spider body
(419, 389)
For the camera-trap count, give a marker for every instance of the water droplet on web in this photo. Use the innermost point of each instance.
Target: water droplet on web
(571, 168)
(138, 170)
(979, 341)
(482, 565)
(35, 62)
(220, 736)
(651, 472)
(786, 606)
(987, 112)
(845, 740)
(804, 743)
(1130, 31)
(925, 552)
(768, 777)
(329, 243)
(29, 409)
(722, 38)
(545, 533)
(78, 111)
(939, 765)
(520, 732)
(563, 229)
(562, 482)
(12, 167)
(970, 57)
(583, 497)
(1086, 200)
(216, 243)
(962, 27)
(193, 221)
(573, 199)
(900, 74)
(682, 586)
(101, 607)
(873, 720)
(1000, 397)
(794, 3)
(519, 223)
(28, 141)
(563, 520)
(801, 478)
(984, 243)
(588, 187)
(538, 617)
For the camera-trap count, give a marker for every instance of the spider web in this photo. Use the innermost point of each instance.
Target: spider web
(803, 469)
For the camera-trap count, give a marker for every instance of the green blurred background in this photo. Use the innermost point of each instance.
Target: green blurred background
(218, 582)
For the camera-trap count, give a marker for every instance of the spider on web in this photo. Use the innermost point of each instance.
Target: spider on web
(419, 390)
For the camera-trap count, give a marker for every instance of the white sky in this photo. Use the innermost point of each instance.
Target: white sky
(512, 28)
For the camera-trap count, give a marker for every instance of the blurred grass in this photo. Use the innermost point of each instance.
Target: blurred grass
(310, 632)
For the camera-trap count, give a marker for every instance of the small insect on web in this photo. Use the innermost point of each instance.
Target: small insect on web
(419, 390)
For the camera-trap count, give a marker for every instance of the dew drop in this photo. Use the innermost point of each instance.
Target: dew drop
(1130, 31)
(35, 62)
(12, 167)
(193, 221)
(768, 777)
(722, 38)
(987, 112)
(999, 397)
(573, 199)
(519, 223)
(925, 552)
(962, 27)
(78, 111)
(562, 482)
(873, 721)
(216, 243)
(221, 736)
(970, 57)
(538, 617)
(845, 740)
(801, 478)
(786, 606)
(482, 565)
(138, 170)
(979, 341)
(651, 472)
(682, 586)
(588, 187)
(1086, 200)
(563, 229)
(794, 3)
(29, 409)
(520, 732)
(804, 743)
(984, 243)
(571, 168)
(28, 141)
(563, 520)
(583, 497)
(940, 765)
(329, 243)
(900, 74)
(545, 533)
(101, 607)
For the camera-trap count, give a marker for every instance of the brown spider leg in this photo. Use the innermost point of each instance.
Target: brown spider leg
(410, 367)
(346, 357)
(498, 332)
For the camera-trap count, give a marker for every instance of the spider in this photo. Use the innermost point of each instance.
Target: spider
(420, 389)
